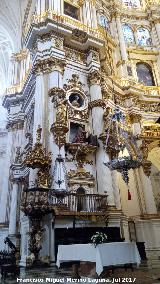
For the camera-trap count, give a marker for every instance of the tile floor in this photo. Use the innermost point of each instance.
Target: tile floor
(143, 276)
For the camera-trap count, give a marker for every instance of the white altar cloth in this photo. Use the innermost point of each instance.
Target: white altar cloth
(117, 253)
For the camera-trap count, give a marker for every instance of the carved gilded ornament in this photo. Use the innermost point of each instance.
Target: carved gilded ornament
(60, 128)
(150, 137)
(43, 179)
(97, 103)
(80, 151)
(147, 167)
(18, 156)
(79, 177)
(74, 83)
(94, 78)
(77, 101)
(77, 3)
(22, 55)
(79, 36)
(38, 156)
(135, 117)
(57, 95)
(49, 65)
(75, 55)
(81, 115)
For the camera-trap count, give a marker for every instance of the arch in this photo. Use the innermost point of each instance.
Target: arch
(128, 34)
(144, 74)
(132, 3)
(143, 36)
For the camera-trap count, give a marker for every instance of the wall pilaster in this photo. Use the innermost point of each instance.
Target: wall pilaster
(97, 105)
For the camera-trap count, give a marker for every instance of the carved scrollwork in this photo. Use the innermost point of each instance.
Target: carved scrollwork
(97, 103)
(74, 83)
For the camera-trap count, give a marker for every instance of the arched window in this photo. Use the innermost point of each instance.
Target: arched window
(103, 21)
(145, 75)
(132, 3)
(128, 34)
(144, 37)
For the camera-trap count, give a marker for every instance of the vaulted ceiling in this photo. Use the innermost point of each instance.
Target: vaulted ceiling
(11, 13)
(11, 17)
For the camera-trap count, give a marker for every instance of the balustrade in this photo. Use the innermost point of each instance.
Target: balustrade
(42, 199)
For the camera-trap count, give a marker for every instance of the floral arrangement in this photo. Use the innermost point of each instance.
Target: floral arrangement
(98, 238)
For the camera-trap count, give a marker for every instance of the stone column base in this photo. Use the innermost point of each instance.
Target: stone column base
(153, 258)
(114, 217)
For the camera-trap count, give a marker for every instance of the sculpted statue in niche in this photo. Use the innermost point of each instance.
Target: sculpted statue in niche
(76, 100)
(77, 133)
(80, 136)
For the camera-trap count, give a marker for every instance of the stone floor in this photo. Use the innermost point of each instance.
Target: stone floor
(54, 275)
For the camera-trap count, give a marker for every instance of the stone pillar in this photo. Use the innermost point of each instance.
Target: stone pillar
(58, 6)
(87, 11)
(148, 192)
(122, 44)
(55, 87)
(4, 193)
(157, 26)
(135, 119)
(16, 138)
(104, 177)
(13, 209)
(93, 15)
(40, 106)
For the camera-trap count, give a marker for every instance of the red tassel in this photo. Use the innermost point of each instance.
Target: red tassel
(129, 195)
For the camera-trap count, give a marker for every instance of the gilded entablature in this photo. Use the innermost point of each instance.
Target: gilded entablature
(147, 106)
(75, 55)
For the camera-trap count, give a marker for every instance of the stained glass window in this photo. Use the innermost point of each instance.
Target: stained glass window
(132, 3)
(145, 75)
(103, 21)
(128, 34)
(143, 36)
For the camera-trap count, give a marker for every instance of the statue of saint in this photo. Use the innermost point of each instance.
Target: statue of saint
(75, 102)
(80, 136)
(61, 114)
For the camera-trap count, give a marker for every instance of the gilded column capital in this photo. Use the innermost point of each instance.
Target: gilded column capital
(94, 78)
(15, 125)
(147, 167)
(49, 65)
(135, 117)
(57, 94)
(97, 103)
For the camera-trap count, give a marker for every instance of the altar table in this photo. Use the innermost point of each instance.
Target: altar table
(108, 254)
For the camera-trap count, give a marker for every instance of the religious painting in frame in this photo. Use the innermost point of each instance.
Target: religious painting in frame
(71, 10)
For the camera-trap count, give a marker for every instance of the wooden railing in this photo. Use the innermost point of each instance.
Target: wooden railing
(80, 202)
(36, 199)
